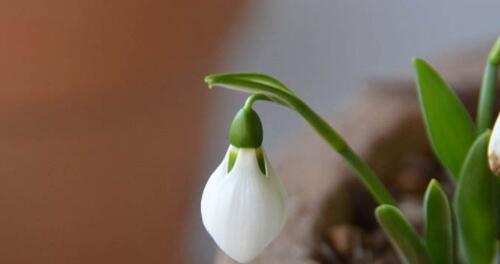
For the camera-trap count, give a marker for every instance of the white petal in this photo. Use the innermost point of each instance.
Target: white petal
(211, 190)
(494, 148)
(245, 210)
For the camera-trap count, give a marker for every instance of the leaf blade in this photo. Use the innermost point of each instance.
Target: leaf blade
(438, 224)
(253, 77)
(234, 82)
(474, 205)
(411, 249)
(448, 124)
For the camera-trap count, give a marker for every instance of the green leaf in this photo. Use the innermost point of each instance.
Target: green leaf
(486, 104)
(494, 56)
(410, 248)
(248, 83)
(438, 224)
(253, 77)
(474, 205)
(449, 126)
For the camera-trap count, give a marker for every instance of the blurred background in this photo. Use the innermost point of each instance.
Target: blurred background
(108, 133)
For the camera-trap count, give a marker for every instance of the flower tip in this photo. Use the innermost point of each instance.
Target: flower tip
(494, 162)
(243, 258)
(494, 149)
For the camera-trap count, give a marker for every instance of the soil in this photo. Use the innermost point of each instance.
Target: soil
(360, 240)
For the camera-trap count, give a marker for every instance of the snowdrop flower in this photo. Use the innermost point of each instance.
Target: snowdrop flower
(494, 148)
(243, 205)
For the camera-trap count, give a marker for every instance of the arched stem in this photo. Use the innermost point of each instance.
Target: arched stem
(264, 91)
(254, 97)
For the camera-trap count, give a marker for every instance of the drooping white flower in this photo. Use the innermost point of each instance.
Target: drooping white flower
(243, 206)
(494, 148)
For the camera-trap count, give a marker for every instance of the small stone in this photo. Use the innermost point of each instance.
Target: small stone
(344, 239)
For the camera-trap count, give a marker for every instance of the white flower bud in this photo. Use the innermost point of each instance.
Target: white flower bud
(244, 209)
(494, 149)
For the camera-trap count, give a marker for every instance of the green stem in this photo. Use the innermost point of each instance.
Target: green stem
(487, 98)
(254, 97)
(335, 140)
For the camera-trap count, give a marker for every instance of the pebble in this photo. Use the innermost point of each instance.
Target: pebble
(345, 239)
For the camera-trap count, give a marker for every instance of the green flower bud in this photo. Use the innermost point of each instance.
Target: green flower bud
(246, 129)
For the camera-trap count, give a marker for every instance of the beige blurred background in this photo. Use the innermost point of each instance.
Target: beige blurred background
(107, 132)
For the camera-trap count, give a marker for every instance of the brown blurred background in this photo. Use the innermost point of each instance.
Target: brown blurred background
(101, 105)
(107, 132)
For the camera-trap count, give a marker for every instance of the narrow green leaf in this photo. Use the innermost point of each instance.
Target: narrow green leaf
(474, 205)
(248, 85)
(494, 56)
(449, 126)
(254, 77)
(486, 104)
(410, 248)
(438, 224)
